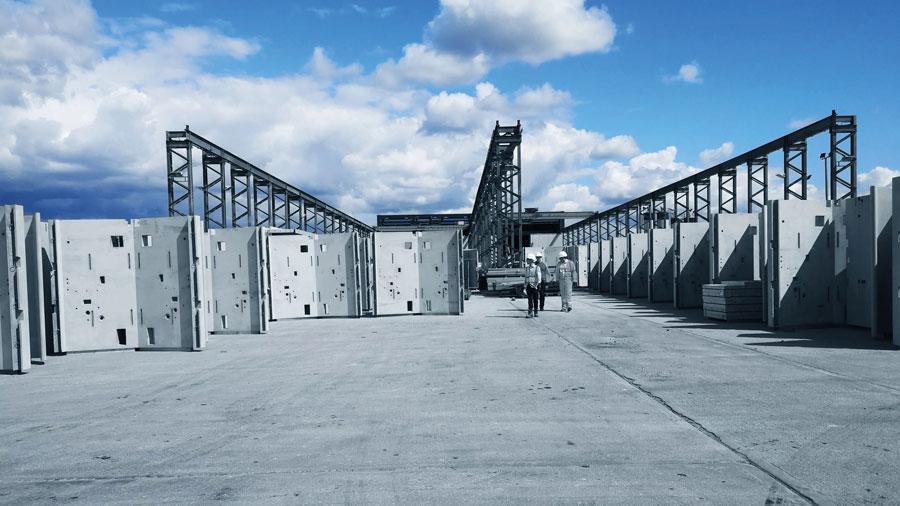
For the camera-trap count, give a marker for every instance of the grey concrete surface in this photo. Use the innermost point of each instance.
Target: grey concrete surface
(614, 403)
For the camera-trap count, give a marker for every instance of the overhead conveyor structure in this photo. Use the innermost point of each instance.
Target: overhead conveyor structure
(496, 222)
(690, 199)
(236, 193)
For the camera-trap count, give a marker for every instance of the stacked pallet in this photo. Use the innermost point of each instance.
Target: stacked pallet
(733, 300)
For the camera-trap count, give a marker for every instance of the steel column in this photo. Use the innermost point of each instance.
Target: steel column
(757, 183)
(795, 175)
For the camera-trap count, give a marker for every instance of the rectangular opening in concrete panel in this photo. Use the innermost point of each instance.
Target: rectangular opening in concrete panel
(691, 263)
(396, 273)
(35, 233)
(170, 280)
(91, 312)
(238, 285)
(292, 275)
(605, 267)
(583, 264)
(15, 339)
(470, 268)
(734, 248)
(336, 261)
(801, 259)
(619, 266)
(661, 265)
(637, 261)
(439, 271)
(594, 267)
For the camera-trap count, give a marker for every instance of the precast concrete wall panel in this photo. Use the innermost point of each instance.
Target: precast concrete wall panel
(366, 274)
(15, 339)
(882, 313)
(292, 276)
(854, 254)
(691, 263)
(169, 279)
(605, 267)
(584, 265)
(440, 272)
(35, 235)
(239, 280)
(95, 285)
(763, 248)
(337, 278)
(801, 263)
(594, 267)
(661, 265)
(895, 261)
(637, 271)
(734, 248)
(470, 268)
(396, 273)
(619, 266)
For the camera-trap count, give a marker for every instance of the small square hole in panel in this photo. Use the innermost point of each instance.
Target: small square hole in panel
(102, 280)
(407, 245)
(147, 240)
(220, 245)
(224, 321)
(232, 276)
(174, 299)
(120, 334)
(295, 273)
(161, 278)
(304, 248)
(86, 302)
(409, 305)
(427, 244)
(325, 308)
(151, 336)
(118, 241)
(306, 309)
(399, 269)
(323, 248)
(820, 221)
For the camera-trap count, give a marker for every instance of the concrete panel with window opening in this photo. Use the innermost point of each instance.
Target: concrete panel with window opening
(440, 272)
(397, 273)
(337, 276)
(239, 280)
(292, 275)
(15, 339)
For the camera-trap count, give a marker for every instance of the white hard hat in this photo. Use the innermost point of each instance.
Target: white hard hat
(531, 257)
(539, 254)
(562, 254)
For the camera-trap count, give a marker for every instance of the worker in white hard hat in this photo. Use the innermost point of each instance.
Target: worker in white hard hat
(545, 277)
(532, 284)
(565, 274)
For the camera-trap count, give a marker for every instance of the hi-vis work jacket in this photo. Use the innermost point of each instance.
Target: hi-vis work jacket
(532, 276)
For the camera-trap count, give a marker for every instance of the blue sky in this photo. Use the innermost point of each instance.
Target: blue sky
(416, 86)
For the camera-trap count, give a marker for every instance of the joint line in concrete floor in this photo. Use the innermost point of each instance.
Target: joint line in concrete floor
(697, 425)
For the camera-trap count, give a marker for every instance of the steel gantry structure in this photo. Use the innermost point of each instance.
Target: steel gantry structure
(237, 193)
(496, 219)
(650, 210)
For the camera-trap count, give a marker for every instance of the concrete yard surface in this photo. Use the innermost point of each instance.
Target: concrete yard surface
(618, 402)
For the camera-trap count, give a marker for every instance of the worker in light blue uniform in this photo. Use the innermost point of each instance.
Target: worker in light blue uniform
(532, 285)
(565, 274)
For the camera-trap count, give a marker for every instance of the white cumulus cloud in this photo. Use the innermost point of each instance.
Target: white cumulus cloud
(712, 156)
(687, 73)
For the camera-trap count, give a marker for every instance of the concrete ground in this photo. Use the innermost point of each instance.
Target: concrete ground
(615, 403)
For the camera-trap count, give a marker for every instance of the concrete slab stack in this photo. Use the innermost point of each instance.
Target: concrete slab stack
(95, 285)
(594, 267)
(691, 263)
(15, 340)
(605, 265)
(619, 266)
(396, 273)
(169, 279)
(800, 263)
(734, 248)
(440, 272)
(637, 269)
(239, 280)
(733, 300)
(337, 275)
(583, 265)
(292, 275)
(660, 264)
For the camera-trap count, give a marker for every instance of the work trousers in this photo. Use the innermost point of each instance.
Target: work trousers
(565, 293)
(542, 291)
(532, 293)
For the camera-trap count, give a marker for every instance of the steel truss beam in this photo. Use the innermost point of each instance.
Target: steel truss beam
(757, 183)
(701, 199)
(682, 203)
(728, 191)
(795, 175)
(496, 220)
(843, 157)
(256, 197)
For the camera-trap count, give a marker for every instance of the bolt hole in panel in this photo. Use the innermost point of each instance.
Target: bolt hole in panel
(106, 245)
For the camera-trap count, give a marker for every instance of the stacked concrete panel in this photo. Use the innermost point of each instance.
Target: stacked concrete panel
(169, 279)
(734, 248)
(661, 264)
(800, 262)
(15, 339)
(618, 275)
(594, 267)
(440, 272)
(691, 263)
(292, 275)
(337, 275)
(36, 238)
(605, 267)
(637, 270)
(95, 285)
(396, 273)
(583, 264)
(733, 300)
(239, 280)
